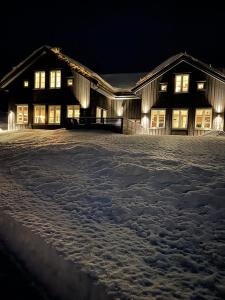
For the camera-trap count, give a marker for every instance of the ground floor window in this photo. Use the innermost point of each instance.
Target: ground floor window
(158, 118)
(73, 111)
(54, 114)
(22, 114)
(180, 119)
(203, 118)
(39, 114)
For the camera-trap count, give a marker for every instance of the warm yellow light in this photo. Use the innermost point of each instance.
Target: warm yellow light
(26, 83)
(69, 82)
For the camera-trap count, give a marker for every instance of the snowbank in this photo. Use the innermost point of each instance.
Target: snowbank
(133, 217)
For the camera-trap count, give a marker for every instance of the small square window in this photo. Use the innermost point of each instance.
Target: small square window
(26, 83)
(69, 82)
(200, 86)
(163, 87)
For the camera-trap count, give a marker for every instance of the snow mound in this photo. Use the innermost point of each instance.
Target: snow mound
(133, 217)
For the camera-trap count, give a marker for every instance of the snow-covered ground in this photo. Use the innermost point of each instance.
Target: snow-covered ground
(142, 215)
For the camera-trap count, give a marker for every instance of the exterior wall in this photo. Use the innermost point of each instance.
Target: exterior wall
(212, 97)
(78, 94)
(132, 109)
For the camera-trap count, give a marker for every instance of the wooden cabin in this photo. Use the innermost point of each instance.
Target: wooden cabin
(49, 87)
(181, 96)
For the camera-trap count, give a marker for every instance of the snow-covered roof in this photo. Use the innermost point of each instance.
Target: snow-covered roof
(123, 80)
(172, 61)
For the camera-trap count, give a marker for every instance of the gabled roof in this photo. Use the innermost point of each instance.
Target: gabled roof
(123, 80)
(97, 81)
(172, 62)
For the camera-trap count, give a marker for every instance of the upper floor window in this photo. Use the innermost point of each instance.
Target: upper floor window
(26, 83)
(201, 85)
(55, 79)
(180, 119)
(182, 83)
(22, 114)
(39, 80)
(203, 119)
(158, 118)
(69, 81)
(163, 87)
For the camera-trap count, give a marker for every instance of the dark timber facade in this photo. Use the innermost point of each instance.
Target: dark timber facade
(181, 96)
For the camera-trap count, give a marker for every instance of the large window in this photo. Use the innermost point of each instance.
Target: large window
(55, 79)
(182, 83)
(22, 114)
(39, 114)
(54, 114)
(158, 118)
(180, 119)
(203, 118)
(73, 111)
(39, 80)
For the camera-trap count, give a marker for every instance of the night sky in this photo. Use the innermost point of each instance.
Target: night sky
(115, 36)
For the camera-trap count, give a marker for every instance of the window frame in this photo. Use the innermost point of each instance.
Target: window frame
(38, 123)
(163, 84)
(26, 84)
(211, 118)
(54, 123)
(182, 80)
(22, 105)
(204, 85)
(74, 109)
(40, 86)
(157, 121)
(180, 128)
(67, 81)
(55, 79)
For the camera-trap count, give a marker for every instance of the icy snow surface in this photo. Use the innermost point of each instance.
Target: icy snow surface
(145, 215)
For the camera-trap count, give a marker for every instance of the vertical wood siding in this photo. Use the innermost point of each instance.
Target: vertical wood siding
(81, 90)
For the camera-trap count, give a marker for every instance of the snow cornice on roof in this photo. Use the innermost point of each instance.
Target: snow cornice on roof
(172, 62)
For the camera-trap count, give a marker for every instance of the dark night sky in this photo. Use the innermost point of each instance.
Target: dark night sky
(115, 36)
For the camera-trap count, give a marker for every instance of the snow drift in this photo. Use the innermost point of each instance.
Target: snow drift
(117, 217)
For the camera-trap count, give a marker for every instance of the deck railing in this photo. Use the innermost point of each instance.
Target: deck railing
(111, 124)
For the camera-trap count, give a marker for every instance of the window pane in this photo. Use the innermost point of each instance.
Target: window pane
(203, 118)
(57, 114)
(52, 79)
(158, 118)
(183, 119)
(70, 111)
(175, 119)
(104, 113)
(185, 83)
(58, 79)
(39, 114)
(36, 80)
(51, 114)
(22, 114)
(178, 84)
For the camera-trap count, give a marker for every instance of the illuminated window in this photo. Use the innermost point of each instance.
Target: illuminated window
(26, 83)
(180, 119)
(54, 114)
(158, 118)
(55, 79)
(163, 87)
(39, 80)
(39, 114)
(203, 119)
(200, 86)
(22, 114)
(182, 83)
(73, 111)
(104, 113)
(69, 82)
